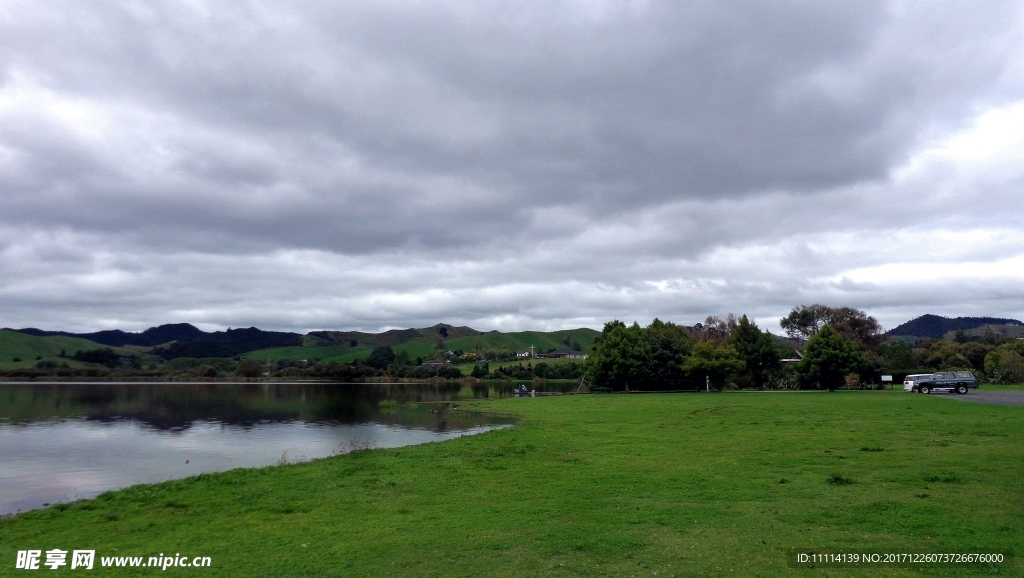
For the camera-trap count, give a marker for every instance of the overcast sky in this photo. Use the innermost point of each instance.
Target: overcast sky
(301, 165)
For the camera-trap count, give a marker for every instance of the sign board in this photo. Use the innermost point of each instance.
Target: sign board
(886, 378)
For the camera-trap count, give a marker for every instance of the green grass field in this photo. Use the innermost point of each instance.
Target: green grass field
(32, 349)
(616, 485)
(324, 354)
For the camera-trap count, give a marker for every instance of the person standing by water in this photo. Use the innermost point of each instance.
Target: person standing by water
(522, 390)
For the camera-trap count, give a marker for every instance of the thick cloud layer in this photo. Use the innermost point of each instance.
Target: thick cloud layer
(303, 165)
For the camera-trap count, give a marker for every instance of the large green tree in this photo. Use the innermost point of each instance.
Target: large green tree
(381, 357)
(757, 350)
(621, 357)
(805, 321)
(712, 364)
(897, 356)
(669, 346)
(829, 358)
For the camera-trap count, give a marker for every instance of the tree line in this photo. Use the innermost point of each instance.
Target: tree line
(663, 356)
(828, 348)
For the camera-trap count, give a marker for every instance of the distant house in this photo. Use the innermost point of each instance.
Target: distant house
(436, 362)
(522, 354)
(565, 354)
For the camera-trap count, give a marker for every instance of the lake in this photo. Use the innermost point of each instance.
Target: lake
(63, 442)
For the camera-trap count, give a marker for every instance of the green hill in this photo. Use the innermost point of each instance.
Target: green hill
(1001, 331)
(521, 341)
(392, 337)
(347, 346)
(31, 349)
(935, 326)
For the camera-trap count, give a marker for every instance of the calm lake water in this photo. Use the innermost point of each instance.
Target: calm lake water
(63, 442)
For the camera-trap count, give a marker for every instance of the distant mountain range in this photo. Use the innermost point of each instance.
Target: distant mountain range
(185, 340)
(26, 348)
(935, 326)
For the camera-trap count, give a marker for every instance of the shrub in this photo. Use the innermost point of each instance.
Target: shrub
(943, 479)
(480, 372)
(1005, 366)
(449, 372)
(839, 480)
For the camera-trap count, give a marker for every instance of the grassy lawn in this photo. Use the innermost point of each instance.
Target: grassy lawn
(638, 485)
(340, 353)
(993, 387)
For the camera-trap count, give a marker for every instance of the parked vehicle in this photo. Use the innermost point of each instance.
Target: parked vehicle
(910, 382)
(958, 381)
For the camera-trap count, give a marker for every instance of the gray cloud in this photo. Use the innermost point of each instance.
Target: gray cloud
(307, 165)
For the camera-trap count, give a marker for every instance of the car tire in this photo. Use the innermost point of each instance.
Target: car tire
(924, 389)
(961, 389)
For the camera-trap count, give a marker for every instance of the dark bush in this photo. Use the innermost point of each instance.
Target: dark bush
(339, 371)
(205, 371)
(249, 368)
(449, 372)
(105, 357)
(186, 363)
